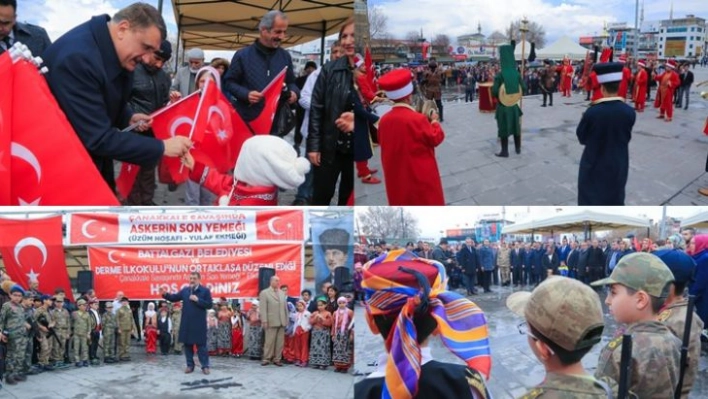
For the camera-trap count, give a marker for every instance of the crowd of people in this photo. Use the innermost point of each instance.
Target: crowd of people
(557, 295)
(42, 333)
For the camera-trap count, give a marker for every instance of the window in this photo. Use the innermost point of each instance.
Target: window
(693, 29)
(690, 46)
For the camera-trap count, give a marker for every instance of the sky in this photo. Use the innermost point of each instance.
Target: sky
(433, 219)
(59, 16)
(574, 18)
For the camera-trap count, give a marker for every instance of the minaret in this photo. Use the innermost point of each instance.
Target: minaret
(671, 12)
(479, 28)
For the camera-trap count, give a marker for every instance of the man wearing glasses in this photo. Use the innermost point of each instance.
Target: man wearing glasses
(257, 65)
(11, 31)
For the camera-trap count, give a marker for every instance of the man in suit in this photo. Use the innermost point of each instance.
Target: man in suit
(467, 259)
(583, 270)
(517, 262)
(529, 252)
(596, 261)
(572, 261)
(426, 252)
(274, 318)
(91, 73)
(193, 326)
(612, 257)
(563, 251)
(11, 31)
(486, 262)
(550, 260)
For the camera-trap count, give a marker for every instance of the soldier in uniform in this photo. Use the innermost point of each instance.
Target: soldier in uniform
(406, 293)
(110, 326)
(673, 314)
(639, 286)
(44, 323)
(508, 88)
(13, 331)
(62, 320)
(176, 320)
(82, 333)
(605, 130)
(126, 325)
(30, 304)
(564, 321)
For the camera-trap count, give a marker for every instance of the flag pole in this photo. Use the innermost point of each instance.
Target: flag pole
(523, 28)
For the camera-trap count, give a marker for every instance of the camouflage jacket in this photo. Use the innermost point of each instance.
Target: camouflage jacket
(674, 316)
(81, 323)
(655, 360)
(43, 314)
(563, 386)
(109, 321)
(176, 319)
(125, 319)
(12, 318)
(62, 318)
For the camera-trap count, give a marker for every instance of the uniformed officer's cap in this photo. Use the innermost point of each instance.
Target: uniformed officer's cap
(682, 265)
(17, 288)
(640, 271)
(81, 302)
(563, 310)
(608, 72)
(27, 295)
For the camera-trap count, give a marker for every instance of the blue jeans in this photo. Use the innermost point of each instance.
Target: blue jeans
(304, 191)
(202, 354)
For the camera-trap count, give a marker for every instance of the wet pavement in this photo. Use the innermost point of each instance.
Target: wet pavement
(514, 367)
(157, 376)
(666, 159)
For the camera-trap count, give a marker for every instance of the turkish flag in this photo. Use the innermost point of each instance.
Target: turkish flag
(271, 95)
(219, 148)
(6, 76)
(93, 228)
(280, 225)
(32, 249)
(126, 178)
(187, 117)
(49, 165)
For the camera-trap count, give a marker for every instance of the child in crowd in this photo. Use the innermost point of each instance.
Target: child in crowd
(301, 335)
(224, 333)
(255, 332)
(237, 332)
(321, 322)
(343, 319)
(288, 345)
(212, 332)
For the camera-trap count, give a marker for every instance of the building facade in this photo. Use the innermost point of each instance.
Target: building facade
(682, 37)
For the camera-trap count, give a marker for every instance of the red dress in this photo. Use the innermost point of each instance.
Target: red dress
(640, 90)
(410, 169)
(668, 82)
(150, 324)
(237, 335)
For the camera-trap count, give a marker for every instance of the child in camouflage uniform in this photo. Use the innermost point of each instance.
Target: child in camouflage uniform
(13, 331)
(62, 318)
(81, 333)
(639, 286)
(110, 325)
(563, 322)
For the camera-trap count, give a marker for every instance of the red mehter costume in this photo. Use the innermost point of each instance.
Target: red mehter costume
(640, 87)
(408, 142)
(566, 78)
(626, 78)
(668, 82)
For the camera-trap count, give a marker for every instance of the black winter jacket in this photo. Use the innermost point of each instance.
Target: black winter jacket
(330, 98)
(151, 91)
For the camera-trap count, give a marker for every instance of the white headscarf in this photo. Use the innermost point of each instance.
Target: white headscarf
(151, 310)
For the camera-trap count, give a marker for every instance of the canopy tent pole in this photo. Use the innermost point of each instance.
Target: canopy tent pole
(322, 42)
(159, 6)
(179, 35)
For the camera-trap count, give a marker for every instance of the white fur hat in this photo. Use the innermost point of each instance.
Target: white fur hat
(270, 161)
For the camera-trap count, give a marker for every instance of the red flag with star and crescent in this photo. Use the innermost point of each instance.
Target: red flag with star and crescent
(187, 117)
(32, 249)
(49, 165)
(126, 178)
(271, 95)
(90, 228)
(6, 76)
(280, 225)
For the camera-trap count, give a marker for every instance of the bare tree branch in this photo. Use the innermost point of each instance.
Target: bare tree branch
(384, 222)
(378, 22)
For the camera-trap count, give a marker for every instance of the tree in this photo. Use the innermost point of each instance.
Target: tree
(388, 222)
(378, 22)
(536, 33)
(442, 40)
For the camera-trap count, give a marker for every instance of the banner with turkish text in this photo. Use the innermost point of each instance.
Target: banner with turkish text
(233, 226)
(333, 248)
(49, 165)
(32, 250)
(227, 270)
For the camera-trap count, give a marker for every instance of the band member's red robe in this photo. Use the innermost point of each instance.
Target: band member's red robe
(408, 142)
(624, 83)
(640, 90)
(566, 80)
(595, 85)
(668, 82)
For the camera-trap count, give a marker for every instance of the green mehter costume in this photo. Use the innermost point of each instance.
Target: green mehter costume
(507, 88)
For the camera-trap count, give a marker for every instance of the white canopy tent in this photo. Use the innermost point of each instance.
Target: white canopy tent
(563, 47)
(576, 221)
(698, 221)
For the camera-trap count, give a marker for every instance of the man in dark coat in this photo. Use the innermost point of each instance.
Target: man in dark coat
(550, 260)
(11, 31)
(193, 326)
(467, 259)
(516, 257)
(596, 261)
(572, 262)
(90, 75)
(583, 269)
(605, 130)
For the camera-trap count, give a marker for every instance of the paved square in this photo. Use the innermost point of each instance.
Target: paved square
(666, 159)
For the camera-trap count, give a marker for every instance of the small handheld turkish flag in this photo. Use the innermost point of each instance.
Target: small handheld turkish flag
(271, 95)
(126, 178)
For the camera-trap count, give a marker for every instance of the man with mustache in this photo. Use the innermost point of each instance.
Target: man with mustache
(257, 65)
(91, 76)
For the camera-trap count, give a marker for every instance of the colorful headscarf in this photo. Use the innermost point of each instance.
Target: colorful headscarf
(700, 243)
(677, 241)
(392, 290)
